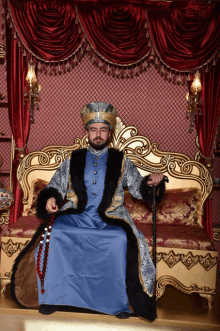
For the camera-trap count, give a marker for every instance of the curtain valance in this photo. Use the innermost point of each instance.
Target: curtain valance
(122, 40)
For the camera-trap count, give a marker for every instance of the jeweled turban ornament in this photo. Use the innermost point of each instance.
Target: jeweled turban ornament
(99, 112)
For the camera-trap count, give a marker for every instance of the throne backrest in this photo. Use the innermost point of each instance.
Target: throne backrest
(181, 171)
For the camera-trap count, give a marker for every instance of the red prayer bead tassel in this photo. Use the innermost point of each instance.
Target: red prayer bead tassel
(41, 274)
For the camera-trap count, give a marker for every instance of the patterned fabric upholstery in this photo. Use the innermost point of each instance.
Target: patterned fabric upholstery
(179, 236)
(167, 235)
(25, 227)
(178, 207)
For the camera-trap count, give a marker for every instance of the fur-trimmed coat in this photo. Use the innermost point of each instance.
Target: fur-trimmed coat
(68, 183)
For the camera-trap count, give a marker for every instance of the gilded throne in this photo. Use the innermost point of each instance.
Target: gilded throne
(185, 256)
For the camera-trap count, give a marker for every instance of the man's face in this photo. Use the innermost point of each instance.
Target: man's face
(98, 135)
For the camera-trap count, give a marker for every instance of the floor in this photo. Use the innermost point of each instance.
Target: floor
(176, 312)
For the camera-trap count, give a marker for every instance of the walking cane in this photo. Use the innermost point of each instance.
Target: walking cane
(165, 179)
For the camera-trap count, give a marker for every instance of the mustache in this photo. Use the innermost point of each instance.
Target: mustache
(98, 138)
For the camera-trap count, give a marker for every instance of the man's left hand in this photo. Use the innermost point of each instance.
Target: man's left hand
(155, 179)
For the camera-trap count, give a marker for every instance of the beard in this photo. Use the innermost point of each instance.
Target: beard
(98, 146)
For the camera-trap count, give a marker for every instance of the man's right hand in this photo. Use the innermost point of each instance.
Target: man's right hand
(51, 206)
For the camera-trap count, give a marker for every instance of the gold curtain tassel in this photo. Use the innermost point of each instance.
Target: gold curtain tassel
(156, 61)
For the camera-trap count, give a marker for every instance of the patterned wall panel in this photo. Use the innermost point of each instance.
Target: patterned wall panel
(4, 123)
(3, 83)
(216, 205)
(154, 105)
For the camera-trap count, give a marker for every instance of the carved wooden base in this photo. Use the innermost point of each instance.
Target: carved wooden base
(209, 297)
(204, 291)
(4, 280)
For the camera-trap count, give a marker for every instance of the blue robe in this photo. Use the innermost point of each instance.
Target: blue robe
(87, 258)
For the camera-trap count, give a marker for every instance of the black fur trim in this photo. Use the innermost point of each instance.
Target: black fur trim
(20, 256)
(147, 191)
(44, 195)
(77, 170)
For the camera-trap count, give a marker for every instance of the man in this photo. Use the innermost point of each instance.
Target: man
(93, 255)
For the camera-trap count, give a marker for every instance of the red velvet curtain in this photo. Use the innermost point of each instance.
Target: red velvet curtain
(48, 30)
(207, 125)
(186, 40)
(117, 34)
(18, 113)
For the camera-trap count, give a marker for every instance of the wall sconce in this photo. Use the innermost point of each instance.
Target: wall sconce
(2, 96)
(193, 100)
(34, 90)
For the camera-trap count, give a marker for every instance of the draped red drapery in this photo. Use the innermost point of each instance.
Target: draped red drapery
(18, 114)
(189, 39)
(207, 125)
(117, 34)
(182, 36)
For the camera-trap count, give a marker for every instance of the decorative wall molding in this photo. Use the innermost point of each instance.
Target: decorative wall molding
(10, 248)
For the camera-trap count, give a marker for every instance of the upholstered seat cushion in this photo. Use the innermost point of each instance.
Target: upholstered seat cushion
(172, 236)
(25, 227)
(177, 236)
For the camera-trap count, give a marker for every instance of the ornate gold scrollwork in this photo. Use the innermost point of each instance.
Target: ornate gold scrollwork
(169, 280)
(208, 262)
(176, 164)
(11, 248)
(189, 260)
(216, 234)
(171, 258)
(4, 219)
(22, 246)
(159, 256)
